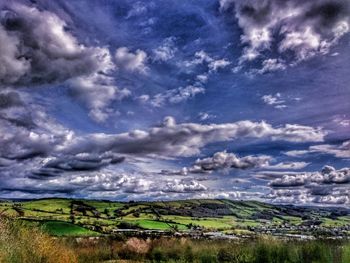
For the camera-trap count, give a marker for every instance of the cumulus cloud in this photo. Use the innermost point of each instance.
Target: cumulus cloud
(328, 175)
(225, 160)
(22, 140)
(97, 92)
(282, 33)
(87, 184)
(37, 48)
(130, 61)
(98, 184)
(308, 196)
(183, 186)
(186, 139)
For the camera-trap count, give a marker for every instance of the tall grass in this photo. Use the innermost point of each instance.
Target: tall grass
(21, 244)
(346, 254)
(267, 250)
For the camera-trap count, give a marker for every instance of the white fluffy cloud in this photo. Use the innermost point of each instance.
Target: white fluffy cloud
(97, 92)
(38, 50)
(29, 132)
(305, 196)
(328, 175)
(225, 160)
(130, 61)
(186, 139)
(288, 28)
(183, 186)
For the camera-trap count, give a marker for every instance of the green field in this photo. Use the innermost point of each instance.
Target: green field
(58, 228)
(68, 217)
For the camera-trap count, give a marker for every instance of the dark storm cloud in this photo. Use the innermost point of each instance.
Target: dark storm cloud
(45, 173)
(281, 33)
(83, 162)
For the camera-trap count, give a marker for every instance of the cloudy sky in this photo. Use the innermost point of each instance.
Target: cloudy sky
(147, 100)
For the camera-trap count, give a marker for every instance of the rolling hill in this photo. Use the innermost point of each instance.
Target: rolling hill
(64, 217)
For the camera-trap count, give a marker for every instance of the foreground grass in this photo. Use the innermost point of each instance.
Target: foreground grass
(211, 251)
(19, 243)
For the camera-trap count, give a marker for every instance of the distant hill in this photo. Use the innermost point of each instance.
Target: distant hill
(93, 217)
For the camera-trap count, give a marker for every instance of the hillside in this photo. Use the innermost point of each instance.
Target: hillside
(63, 217)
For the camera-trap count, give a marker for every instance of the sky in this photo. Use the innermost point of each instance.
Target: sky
(161, 100)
